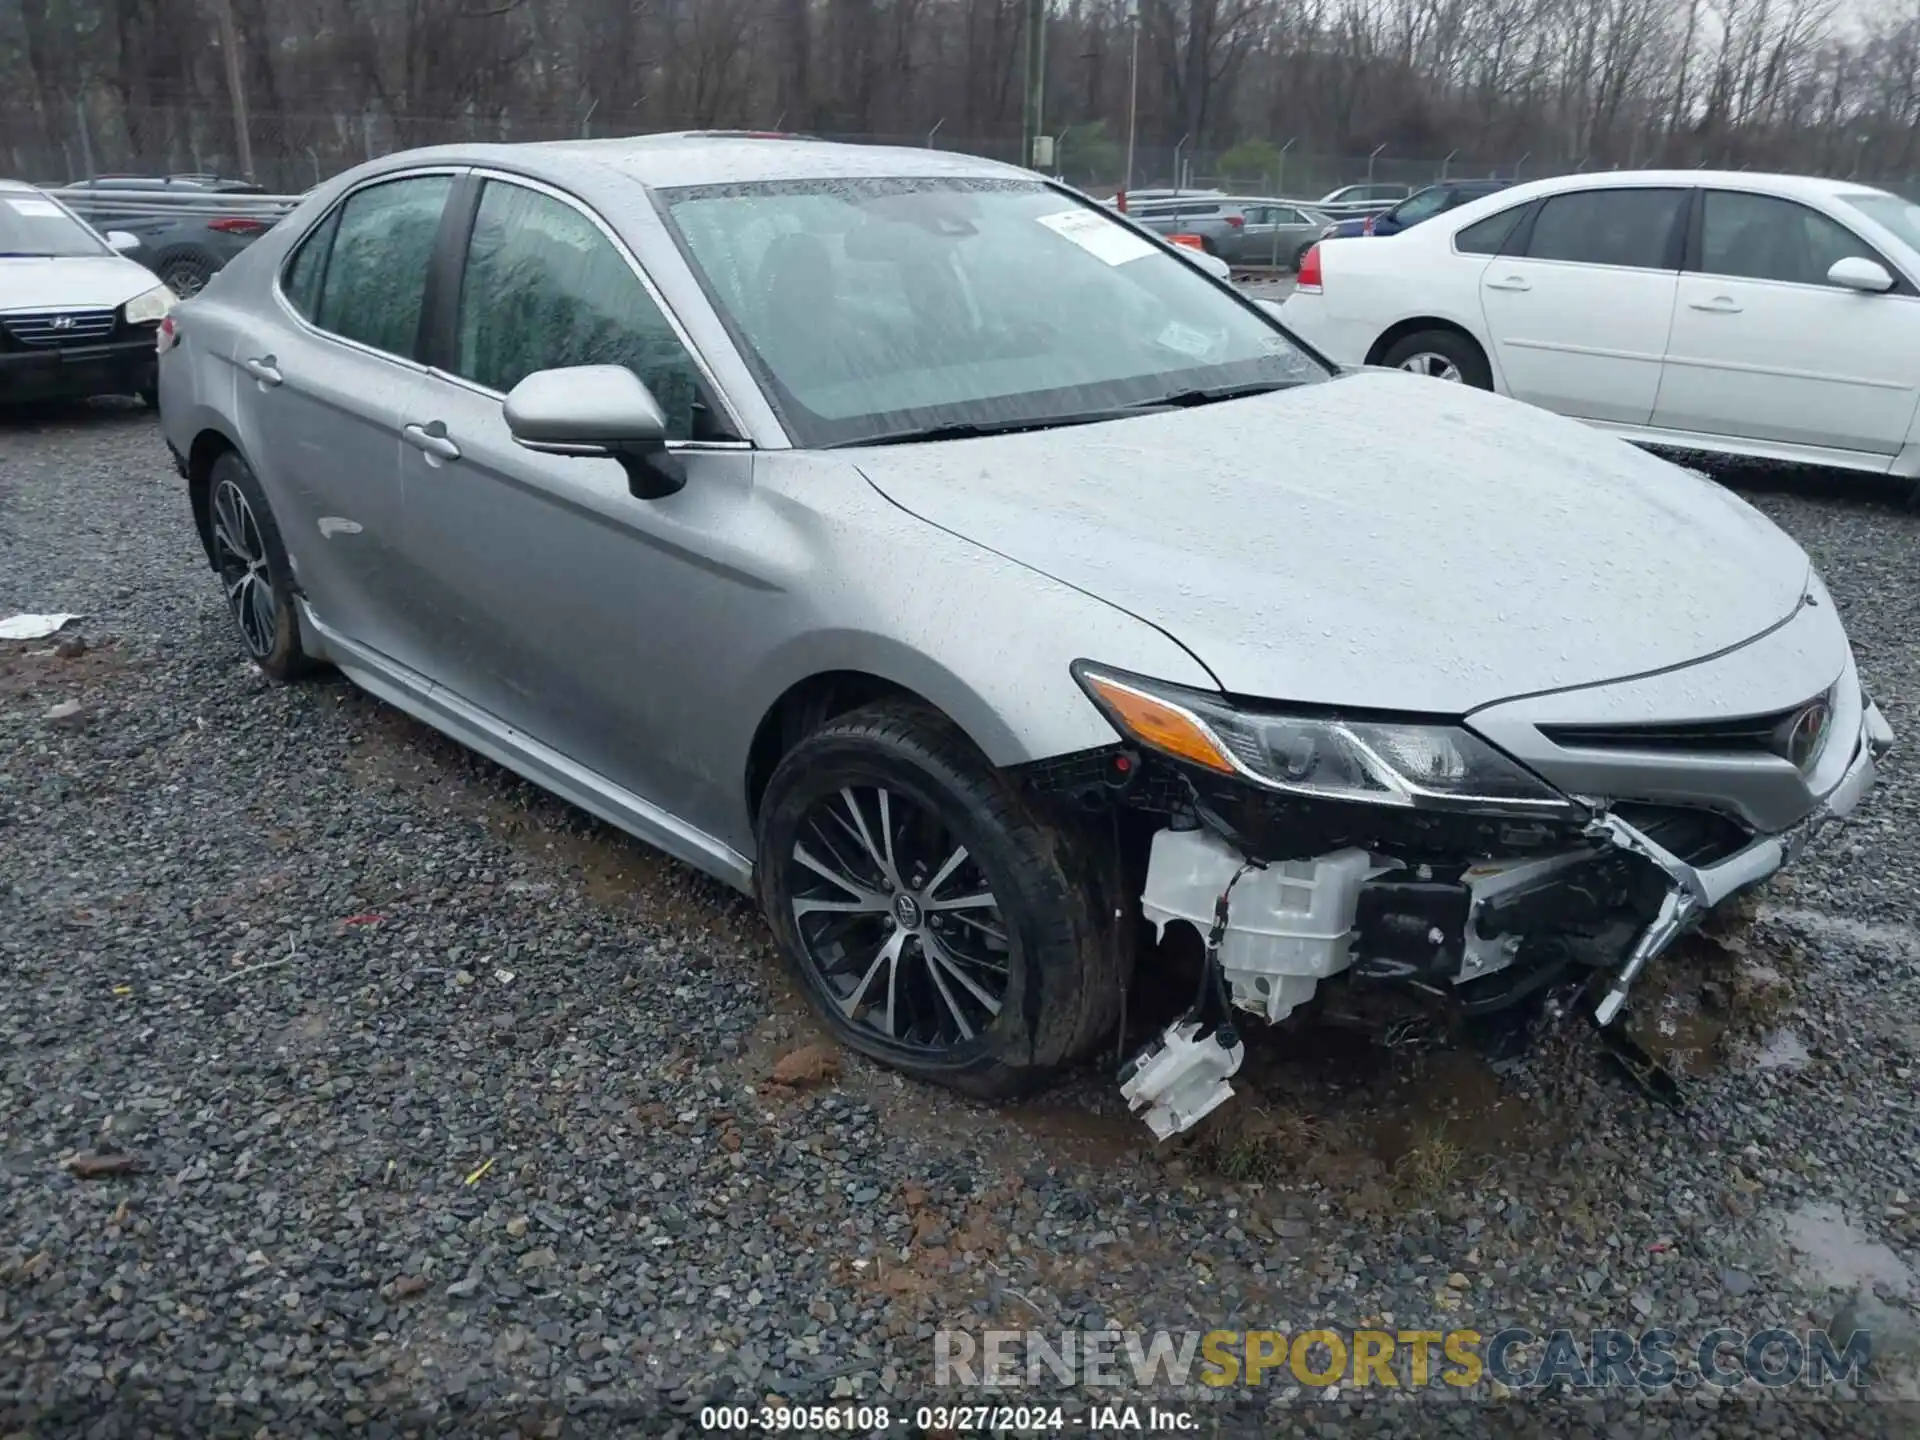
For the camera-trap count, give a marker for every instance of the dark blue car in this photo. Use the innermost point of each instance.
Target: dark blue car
(1421, 205)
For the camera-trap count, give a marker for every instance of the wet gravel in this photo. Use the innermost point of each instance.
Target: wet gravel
(433, 1105)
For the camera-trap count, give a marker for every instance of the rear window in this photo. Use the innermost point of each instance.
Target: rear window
(1485, 237)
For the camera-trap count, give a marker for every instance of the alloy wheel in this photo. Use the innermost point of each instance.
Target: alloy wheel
(897, 920)
(241, 558)
(186, 281)
(1434, 367)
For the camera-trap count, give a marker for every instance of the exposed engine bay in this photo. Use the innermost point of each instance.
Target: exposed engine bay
(1473, 914)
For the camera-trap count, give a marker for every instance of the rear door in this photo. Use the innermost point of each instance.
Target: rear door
(319, 391)
(1765, 349)
(1580, 300)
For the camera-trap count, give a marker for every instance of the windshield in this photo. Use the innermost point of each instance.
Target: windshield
(887, 309)
(34, 225)
(1902, 217)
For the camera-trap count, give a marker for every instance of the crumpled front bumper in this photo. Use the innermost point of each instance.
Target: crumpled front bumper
(1694, 890)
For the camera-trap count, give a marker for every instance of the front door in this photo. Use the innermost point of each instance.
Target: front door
(557, 601)
(1580, 304)
(1765, 348)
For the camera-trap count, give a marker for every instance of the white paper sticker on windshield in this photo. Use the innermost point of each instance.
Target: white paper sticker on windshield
(45, 209)
(1100, 237)
(1187, 340)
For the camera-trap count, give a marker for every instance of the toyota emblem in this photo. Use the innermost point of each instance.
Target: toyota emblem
(1807, 730)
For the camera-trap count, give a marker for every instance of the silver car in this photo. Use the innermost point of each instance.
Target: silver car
(919, 547)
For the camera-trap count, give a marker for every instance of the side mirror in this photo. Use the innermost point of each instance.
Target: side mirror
(122, 241)
(1856, 272)
(596, 411)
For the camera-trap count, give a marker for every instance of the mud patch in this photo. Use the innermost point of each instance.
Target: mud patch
(37, 674)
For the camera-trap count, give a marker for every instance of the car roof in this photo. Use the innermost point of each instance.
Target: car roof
(710, 157)
(17, 185)
(1802, 187)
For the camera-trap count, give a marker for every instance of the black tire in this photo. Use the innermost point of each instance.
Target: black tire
(186, 271)
(251, 562)
(1064, 962)
(1457, 349)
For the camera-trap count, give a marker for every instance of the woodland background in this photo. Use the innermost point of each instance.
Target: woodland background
(1296, 95)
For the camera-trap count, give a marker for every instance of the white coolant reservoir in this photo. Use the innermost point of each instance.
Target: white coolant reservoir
(1289, 925)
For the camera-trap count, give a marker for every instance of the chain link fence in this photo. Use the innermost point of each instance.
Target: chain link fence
(287, 152)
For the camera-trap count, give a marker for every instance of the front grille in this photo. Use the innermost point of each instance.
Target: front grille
(1699, 837)
(49, 329)
(1763, 733)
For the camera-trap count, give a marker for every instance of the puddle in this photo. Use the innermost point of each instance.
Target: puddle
(1835, 1254)
(1890, 941)
(1783, 1050)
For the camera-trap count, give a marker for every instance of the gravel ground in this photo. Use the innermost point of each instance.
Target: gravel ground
(451, 1110)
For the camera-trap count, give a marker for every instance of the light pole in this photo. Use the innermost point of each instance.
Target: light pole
(1133, 91)
(1445, 163)
(935, 130)
(1373, 157)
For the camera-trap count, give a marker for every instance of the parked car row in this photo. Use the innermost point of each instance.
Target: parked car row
(1242, 230)
(1743, 314)
(931, 554)
(184, 239)
(76, 317)
(1421, 205)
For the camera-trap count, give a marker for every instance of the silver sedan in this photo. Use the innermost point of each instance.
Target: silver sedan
(937, 556)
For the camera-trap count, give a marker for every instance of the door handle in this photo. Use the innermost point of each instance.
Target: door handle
(432, 438)
(1512, 282)
(1719, 305)
(264, 368)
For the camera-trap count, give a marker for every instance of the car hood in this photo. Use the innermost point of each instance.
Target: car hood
(1379, 540)
(80, 282)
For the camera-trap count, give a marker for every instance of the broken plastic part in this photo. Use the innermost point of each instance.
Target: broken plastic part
(1181, 1078)
(1291, 922)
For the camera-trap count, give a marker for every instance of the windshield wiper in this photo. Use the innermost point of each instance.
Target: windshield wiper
(974, 429)
(1186, 399)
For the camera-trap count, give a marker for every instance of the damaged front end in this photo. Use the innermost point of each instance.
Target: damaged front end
(1408, 855)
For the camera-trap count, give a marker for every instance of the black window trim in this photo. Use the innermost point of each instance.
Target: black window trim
(1523, 221)
(1521, 236)
(1690, 261)
(440, 315)
(311, 327)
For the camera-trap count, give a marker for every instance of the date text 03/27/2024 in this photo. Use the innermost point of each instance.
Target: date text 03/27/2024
(941, 1419)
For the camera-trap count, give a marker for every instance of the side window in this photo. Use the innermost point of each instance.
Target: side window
(1283, 216)
(308, 268)
(1627, 227)
(1761, 237)
(545, 289)
(376, 275)
(1485, 237)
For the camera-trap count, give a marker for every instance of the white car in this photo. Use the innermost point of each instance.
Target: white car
(1762, 315)
(76, 317)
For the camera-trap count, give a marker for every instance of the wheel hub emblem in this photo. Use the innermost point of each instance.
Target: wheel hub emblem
(906, 910)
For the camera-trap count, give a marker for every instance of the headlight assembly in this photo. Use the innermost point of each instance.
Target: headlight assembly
(150, 307)
(1374, 762)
